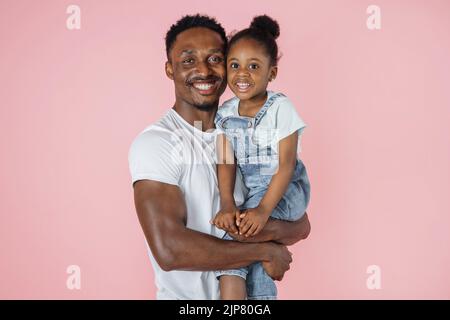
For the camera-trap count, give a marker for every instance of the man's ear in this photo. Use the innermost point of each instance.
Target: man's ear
(169, 70)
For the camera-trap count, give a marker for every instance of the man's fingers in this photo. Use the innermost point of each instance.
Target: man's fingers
(290, 256)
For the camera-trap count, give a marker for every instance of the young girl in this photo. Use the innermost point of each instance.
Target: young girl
(260, 130)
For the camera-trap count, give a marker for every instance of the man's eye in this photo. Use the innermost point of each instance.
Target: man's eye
(215, 59)
(234, 65)
(253, 66)
(188, 61)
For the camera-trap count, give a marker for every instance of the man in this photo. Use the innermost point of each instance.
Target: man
(174, 177)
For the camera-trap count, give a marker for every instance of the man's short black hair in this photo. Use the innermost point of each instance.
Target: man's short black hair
(193, 21)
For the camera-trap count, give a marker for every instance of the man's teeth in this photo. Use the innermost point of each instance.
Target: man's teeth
(203, 86)
(243, 85)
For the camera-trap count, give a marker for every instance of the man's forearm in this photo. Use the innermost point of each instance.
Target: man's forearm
(195, 251)
(162, 214)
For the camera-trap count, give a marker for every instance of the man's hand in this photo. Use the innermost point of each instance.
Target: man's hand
(279, 263)
(226, 218)
(252, 221)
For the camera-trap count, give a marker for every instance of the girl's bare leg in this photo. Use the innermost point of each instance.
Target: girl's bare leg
(232, 288)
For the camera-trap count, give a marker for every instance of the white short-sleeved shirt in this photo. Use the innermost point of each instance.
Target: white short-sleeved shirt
(174, 152)
(281, 118)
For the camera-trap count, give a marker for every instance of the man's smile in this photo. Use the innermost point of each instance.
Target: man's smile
(205, 87)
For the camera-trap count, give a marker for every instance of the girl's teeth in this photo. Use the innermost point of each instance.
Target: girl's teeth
(203, 86)
(243, 85)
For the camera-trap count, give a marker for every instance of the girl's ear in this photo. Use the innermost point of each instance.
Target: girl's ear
(273, 73)
(169, 70)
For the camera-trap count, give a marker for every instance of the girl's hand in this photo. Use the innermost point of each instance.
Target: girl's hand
(225, 219)
(252, 221)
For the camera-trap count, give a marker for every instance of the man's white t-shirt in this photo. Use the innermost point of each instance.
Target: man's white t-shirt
(173, 151)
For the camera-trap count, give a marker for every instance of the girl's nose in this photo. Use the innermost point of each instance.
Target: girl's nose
(243, 72)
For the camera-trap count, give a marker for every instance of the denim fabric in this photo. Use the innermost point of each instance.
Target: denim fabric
(258, 163)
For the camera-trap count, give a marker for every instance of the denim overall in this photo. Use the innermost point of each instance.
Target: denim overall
(258, 163)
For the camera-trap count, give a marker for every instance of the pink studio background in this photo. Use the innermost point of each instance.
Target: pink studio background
(377, 146)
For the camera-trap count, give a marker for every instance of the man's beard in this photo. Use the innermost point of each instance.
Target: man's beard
(206, 106)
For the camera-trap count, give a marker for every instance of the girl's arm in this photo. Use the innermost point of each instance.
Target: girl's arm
(255, 219)
(280, 181)
(226, 173)
(226, 170)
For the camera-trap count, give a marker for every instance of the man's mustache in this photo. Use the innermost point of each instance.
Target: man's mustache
(205, 79)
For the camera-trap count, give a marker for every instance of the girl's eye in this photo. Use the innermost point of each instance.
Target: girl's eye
(253, 66)
(215, 59)
(234, 65)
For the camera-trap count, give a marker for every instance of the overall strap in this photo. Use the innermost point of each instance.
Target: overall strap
(218, 120)
(266, 106)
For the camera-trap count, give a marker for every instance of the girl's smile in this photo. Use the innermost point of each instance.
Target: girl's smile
(243, 85)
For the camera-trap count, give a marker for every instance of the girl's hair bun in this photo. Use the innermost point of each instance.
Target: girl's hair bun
(267, 24)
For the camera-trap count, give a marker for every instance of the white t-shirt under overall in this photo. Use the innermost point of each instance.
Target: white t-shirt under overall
(174, 152)
(281, 118)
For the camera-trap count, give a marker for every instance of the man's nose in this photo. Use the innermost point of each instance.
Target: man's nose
(204, 69)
